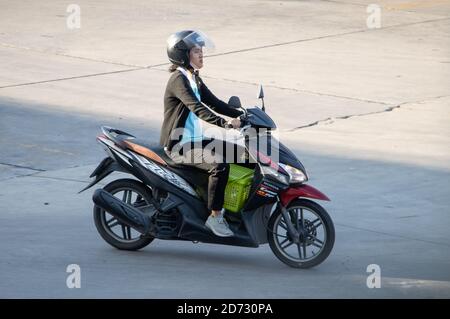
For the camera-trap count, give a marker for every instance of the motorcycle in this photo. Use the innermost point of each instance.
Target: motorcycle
(265, 201)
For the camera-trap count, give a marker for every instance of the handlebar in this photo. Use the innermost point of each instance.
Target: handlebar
(244, 124)
(228, 125)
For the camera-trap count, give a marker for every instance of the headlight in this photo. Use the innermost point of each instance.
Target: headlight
(296, 175)
(268, 170)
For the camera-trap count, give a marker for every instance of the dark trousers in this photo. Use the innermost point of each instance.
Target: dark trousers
(215, 163)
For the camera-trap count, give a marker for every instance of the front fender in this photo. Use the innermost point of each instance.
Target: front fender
(301, 191)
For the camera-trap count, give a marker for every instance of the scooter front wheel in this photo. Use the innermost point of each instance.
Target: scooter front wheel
(316, 234)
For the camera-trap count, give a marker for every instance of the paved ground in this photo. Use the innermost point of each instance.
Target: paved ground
(366, 110)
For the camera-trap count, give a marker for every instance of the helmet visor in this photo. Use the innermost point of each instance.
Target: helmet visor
(199, 39)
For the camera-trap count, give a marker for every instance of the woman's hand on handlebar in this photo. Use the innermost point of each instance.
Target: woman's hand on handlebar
(234, 123)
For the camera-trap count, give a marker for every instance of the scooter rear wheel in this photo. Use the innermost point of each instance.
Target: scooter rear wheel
(112, 231)
(316, 231)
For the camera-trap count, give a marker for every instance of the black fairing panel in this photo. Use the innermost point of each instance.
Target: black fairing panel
(193, 217)
(260, 182)
(256, 222)
(193, 228)
(257, 118)
(289, 158)
(273, 145)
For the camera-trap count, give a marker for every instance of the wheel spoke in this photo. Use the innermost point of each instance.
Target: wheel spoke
(125, 195)
(286, 246)
(304, 249)
(281, 244)
(315, 239)
(279, 235)
(126, 232)
(315, 221)
(112, 222)
(318, 246)
(282, 225)
(315, 226)
(299, 250)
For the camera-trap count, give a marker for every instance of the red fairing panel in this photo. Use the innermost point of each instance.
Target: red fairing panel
(301, 191)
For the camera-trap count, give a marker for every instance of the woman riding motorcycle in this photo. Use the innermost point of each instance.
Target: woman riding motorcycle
(184, 108)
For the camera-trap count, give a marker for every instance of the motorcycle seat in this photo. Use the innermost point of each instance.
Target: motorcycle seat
(155, 152)
(152, 151)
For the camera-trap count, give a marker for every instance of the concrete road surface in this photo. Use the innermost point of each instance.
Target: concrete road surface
(360, 93)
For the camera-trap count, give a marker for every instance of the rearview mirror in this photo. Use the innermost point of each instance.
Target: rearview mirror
(261, 96)
(260, 92)
(234, 102)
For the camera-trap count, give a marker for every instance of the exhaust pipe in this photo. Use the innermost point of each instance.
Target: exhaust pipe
(124, 212)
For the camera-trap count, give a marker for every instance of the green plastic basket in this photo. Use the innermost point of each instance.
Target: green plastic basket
(238, 187)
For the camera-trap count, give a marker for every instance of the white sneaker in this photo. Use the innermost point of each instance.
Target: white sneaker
(219, 226)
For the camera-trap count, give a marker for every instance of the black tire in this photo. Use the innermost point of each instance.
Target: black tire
(306, 241)
(100, 217)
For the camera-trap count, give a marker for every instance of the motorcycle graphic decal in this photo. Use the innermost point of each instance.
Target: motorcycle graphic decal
(167, 175)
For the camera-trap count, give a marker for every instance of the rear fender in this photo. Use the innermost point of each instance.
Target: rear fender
(106, 167)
